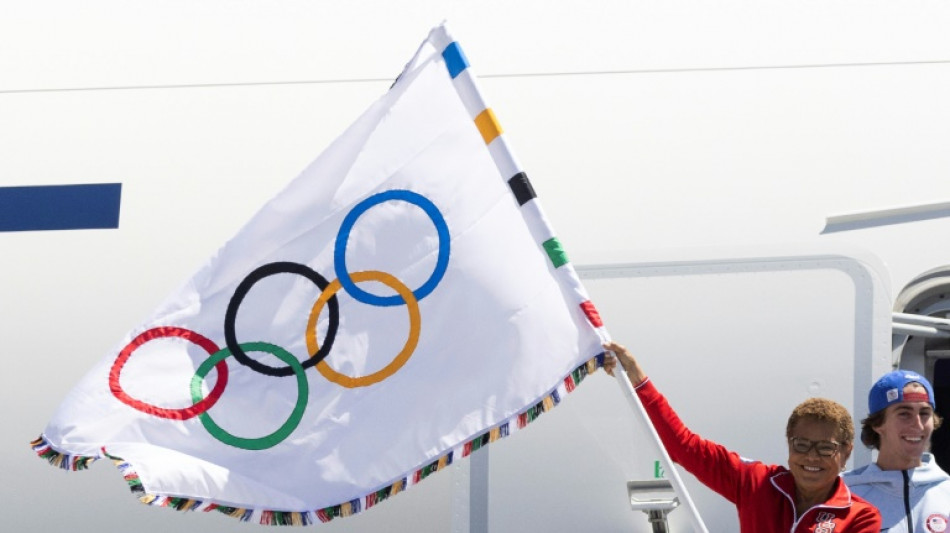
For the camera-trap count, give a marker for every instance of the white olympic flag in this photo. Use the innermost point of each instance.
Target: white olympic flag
(400, 304)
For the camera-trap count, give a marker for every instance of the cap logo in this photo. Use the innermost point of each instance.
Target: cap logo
(892, 395)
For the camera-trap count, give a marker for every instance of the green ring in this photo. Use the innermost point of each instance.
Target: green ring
(283, 431)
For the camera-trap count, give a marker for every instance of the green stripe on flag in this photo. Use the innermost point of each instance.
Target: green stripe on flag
(553, 247)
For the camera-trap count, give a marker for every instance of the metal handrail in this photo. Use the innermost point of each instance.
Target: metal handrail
(920, 325)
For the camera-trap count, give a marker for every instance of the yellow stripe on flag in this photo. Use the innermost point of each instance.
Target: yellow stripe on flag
(488, 125)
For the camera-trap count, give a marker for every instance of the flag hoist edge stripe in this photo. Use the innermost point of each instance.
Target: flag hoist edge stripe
(520, 187)
(487, 124)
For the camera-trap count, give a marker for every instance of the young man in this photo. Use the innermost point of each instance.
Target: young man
(905, 483)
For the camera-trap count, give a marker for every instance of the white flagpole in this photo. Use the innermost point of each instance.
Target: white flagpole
(675, 479)
(505, 161)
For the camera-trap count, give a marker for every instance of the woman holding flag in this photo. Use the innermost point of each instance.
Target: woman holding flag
(807, 496)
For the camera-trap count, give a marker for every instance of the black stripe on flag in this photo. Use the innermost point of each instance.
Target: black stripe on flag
(522, 188)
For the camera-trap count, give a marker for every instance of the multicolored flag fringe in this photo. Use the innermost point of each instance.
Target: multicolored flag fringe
(401, 304)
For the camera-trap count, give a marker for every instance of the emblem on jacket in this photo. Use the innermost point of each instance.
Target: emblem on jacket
(825, 522)
(936, 523)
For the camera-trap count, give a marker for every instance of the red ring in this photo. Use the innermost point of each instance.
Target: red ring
(175, 414)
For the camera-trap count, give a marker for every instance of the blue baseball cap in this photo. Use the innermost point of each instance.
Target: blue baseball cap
(890, 390)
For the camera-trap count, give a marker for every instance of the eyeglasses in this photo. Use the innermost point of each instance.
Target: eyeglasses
(825, 448)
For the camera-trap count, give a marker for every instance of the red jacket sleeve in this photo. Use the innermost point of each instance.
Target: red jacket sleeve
(716, 467)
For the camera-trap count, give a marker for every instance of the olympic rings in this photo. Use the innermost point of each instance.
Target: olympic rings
(174, 414)
(328, 298)
(339, 250)
(245, 286)
(412, 305)
(267, 441)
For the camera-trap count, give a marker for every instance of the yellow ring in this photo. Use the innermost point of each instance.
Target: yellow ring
(415, 320)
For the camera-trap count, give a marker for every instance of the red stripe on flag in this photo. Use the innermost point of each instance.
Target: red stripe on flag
(592, 315)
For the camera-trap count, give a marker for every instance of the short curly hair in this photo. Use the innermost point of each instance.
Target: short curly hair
(823, 410)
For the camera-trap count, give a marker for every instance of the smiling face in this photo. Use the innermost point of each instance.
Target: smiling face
(815, 474)
(905, 432)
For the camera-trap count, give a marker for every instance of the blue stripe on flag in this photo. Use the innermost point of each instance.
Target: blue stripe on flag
(455, 59)
(57, 207)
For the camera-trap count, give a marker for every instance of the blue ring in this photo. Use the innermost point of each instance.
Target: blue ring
(339, 251)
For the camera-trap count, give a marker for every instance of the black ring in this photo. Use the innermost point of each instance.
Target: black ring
(258, 274)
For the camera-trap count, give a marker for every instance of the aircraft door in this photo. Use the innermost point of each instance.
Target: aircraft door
(921, 342)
